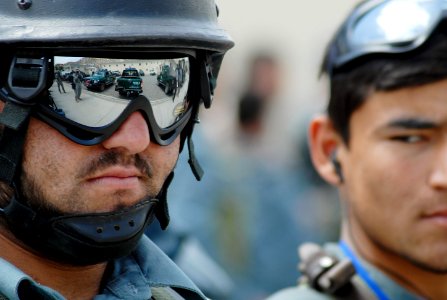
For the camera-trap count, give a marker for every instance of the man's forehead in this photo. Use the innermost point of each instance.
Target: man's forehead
(410, 98)
(417, 107)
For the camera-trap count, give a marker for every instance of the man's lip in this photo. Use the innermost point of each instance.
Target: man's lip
(116, 172)
(436, 216)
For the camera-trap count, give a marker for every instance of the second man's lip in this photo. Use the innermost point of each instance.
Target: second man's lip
(435, 214)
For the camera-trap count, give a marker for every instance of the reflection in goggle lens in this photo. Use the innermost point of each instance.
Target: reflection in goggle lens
(95, 91)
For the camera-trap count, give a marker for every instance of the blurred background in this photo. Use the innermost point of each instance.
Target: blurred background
(236, 232)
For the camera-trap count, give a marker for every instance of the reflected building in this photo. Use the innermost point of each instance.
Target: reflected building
(91, 64)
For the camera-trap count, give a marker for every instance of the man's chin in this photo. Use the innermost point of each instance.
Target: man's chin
(438, 266)
(117, 202)
(122, 204)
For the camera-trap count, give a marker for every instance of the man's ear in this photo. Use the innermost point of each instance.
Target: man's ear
(324, 141)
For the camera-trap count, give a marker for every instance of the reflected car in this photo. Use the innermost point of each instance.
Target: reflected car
(129, 83)
(167, 81)
(99, 80)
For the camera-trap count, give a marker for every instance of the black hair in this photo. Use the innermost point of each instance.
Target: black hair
(351, 85)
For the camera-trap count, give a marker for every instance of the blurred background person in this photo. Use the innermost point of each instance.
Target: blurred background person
(263, 84)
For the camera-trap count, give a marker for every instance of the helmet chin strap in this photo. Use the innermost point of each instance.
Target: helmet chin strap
(162, 211)
(186, 136)
(86, 239)
(81, 239)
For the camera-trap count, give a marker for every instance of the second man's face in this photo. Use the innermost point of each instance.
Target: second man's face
(395, 171)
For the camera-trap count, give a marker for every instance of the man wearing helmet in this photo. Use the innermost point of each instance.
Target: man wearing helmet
(383, 143)
(80, 181)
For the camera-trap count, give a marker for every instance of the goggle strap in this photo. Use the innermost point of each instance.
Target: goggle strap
(15, 119)
(14, 115)
(8, 160)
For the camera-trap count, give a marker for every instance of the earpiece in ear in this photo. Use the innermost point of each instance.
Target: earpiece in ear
(337, 165)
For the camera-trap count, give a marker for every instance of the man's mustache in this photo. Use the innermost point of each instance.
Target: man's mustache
(113, 158)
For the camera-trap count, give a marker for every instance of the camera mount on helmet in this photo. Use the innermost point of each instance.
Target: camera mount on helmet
(27, 78)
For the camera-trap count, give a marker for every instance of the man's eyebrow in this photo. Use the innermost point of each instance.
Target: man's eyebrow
(412, 123)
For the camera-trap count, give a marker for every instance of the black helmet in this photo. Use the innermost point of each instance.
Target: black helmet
(135, 25)
(182, 24)
(33, 34)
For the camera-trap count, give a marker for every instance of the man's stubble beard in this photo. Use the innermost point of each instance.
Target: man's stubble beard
(428, 267)
(33, 195)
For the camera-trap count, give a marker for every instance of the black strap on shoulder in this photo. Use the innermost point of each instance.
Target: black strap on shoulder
(329, 275)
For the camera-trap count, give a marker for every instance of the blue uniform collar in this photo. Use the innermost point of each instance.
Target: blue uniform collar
(383, 286)
(131, 278)
(147, 267)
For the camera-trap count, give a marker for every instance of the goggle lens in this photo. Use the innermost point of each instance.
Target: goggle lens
(385, 27)
(396, 21)
(92, 94)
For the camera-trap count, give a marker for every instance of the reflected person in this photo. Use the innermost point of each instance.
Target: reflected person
(77, 81)
(59, 82)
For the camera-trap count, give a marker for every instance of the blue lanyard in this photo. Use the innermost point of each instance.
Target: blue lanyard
(362, 272)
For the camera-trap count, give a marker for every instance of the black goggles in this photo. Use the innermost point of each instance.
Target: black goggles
(384, 27)
(88, 98)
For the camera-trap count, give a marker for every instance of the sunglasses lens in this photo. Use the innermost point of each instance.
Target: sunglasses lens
(94, 92)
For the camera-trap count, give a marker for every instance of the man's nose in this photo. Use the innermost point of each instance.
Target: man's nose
(132, 136)
(438, 175)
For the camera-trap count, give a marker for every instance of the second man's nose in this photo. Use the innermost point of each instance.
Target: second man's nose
(132, 136)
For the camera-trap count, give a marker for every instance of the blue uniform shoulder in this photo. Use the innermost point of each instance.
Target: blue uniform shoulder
(149, 270)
